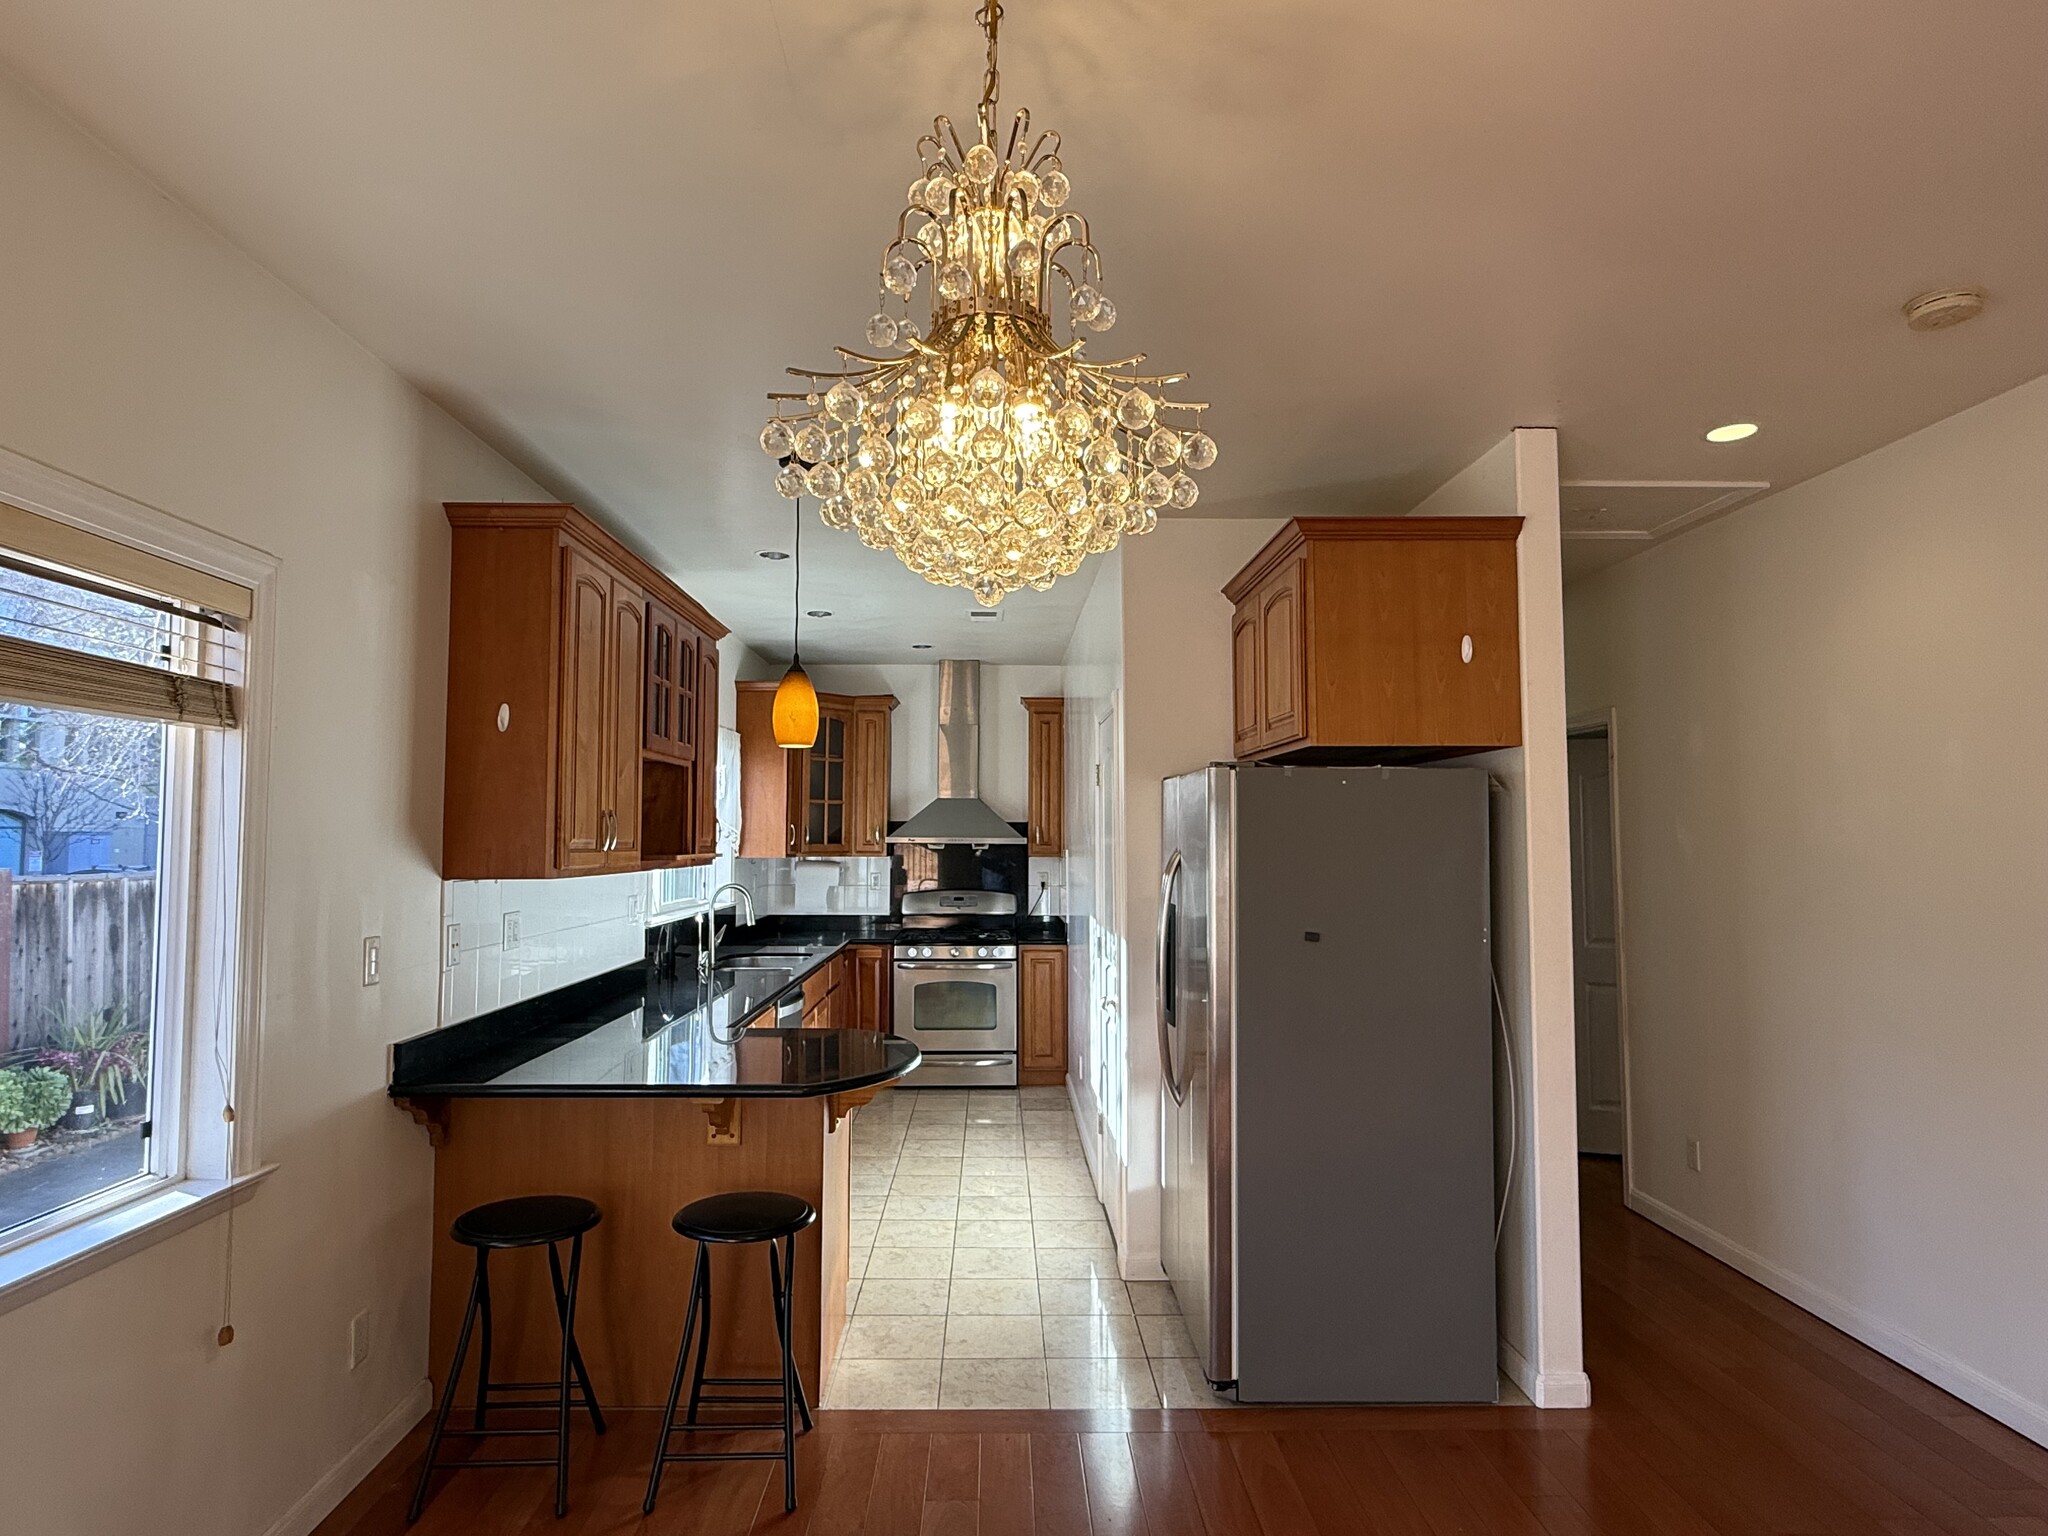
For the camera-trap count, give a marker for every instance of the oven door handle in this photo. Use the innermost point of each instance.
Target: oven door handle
(947, 1058)
(941, 966)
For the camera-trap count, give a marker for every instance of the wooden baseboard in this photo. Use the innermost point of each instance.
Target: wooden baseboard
(1040, 1077)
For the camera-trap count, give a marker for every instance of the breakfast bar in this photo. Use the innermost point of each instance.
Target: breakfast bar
(642, 1093)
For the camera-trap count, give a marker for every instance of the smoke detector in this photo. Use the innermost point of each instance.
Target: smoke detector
(1943, 307)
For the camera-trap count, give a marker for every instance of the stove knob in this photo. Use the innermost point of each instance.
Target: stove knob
(955, 952)
(925, 953)
(982, 953)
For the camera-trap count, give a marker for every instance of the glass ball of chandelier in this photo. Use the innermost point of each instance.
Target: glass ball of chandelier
(983, 452)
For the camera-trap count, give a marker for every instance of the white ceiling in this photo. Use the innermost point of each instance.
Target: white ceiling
(1379, 233)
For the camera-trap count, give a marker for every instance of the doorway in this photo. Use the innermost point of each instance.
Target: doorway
(1597, 990)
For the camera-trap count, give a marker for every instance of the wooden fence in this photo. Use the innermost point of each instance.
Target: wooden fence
(72, 945)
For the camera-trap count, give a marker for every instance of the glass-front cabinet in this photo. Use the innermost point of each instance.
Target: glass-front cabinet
(824, 825)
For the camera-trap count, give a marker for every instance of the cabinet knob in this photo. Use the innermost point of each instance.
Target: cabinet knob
(504, 718)
(1465, 649)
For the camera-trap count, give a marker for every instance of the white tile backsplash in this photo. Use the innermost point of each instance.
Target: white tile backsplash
(569, 931)
(1046, 888)
(852, 886)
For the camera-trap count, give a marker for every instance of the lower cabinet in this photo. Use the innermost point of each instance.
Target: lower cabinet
(871, 996)
(1042, 1015)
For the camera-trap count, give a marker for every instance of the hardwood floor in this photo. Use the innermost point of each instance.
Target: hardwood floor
(1718, 1408)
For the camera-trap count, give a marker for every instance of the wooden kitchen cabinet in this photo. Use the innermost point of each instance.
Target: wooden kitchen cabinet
(829, 1001)
(1042, 1015)
(872, 988)
(1046, 797)
(827, 800)
(554, 766)
(1377, 639)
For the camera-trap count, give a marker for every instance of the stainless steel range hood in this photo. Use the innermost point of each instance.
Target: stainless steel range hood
(959, 814)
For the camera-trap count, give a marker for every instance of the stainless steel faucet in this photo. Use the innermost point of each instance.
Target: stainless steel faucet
(707, 929)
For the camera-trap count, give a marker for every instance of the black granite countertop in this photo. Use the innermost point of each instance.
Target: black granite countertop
(639, 1031)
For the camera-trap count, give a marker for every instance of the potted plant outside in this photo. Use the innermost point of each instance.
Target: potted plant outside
(103, 1057)
(31, 1098)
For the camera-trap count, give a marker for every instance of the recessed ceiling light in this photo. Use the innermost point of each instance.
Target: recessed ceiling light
(772, 554)
(1734, 432)
(817, 613)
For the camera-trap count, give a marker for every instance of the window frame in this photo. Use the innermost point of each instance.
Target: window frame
(211, 896)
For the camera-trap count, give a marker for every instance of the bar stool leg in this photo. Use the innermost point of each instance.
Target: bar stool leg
(483, 1358)
(704, 1338)
(803, 1406)
(779, 1284)
(419, 1494)
(568, 1351)
(675, 1386)
(575, 1349)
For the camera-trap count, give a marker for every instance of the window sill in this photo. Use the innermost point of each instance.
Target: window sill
(49, 1263)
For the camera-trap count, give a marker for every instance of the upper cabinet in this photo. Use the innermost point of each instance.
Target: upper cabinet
(582, 703)
(830, 799)
(1368, 637)
(1046, 795)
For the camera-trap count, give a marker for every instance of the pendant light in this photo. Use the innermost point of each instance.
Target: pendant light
(795, 715)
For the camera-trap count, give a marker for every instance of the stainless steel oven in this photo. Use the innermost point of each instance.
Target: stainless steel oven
(958, 1004)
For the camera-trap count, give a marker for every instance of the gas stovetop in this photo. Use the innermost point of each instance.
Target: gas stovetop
(935, 930)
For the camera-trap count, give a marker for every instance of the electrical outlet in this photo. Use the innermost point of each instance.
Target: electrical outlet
(511, 930)
(373, 959)
(453, 956)
(1692, 1154)
(359, 1338)
(634, 899)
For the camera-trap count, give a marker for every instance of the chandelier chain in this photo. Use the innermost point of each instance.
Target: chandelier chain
(991, 18)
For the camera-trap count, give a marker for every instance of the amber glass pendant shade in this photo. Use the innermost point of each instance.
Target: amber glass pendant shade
(796, 709)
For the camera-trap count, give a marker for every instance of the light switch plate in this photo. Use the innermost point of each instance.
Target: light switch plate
(1693, 1156)
(452, 955)
(359, 1338)
(511, 930)
(373, 959)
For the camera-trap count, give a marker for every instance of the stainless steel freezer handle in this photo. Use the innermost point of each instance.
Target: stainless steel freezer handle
(1164, 959)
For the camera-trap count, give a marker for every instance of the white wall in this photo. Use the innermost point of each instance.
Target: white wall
(1834, 869)
(1537, 1264)
(1176, 709)
(146, 355)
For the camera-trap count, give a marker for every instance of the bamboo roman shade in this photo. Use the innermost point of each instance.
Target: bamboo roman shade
(132, 634)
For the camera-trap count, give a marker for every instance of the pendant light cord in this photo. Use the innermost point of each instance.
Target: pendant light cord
(796, 596)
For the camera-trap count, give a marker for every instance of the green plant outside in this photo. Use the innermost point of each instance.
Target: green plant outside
(32, 1098)
(100, 1053)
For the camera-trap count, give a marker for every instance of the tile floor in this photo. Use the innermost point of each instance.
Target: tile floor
(984, 1274)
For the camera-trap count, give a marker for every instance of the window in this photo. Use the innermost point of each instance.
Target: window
(122, 760)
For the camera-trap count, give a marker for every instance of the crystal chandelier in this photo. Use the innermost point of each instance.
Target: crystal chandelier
(983, 451)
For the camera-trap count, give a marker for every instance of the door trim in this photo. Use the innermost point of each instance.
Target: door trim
(1607, 723)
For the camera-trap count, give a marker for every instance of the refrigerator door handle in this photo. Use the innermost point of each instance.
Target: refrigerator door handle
(1167, 882)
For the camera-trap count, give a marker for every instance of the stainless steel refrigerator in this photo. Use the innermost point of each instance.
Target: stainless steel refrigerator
(1325, 1032)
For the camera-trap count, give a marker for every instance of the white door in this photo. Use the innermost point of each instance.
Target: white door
(1596, 961)
(1106, 969)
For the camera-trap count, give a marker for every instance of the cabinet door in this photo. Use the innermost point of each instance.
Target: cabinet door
(670, 676)
(707, 747)
(1042, 999)
(1046, 823)
(870, 781)
(872, 980)
(1281, 683)
(1245, 663)
(582, 808)
(1466, 604)
(824, 824)
(626, 666)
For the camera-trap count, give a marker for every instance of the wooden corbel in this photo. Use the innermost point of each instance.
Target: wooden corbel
(724, 1115)
(431, 1113)
(839, 1105)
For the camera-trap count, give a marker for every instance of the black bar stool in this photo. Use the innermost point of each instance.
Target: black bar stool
(528, 1222)
(746, 1216)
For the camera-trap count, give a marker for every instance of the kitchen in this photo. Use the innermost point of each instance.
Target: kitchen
(856, 982)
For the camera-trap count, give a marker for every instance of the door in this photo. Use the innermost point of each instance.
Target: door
(1596, 953)
(626, 671)
(870, 815)
(1282, 714)
(1105, 1067)
(1042, 1032)
(1191, 1007)
(957, 1005)
(823, 828)
(1244, 677)
(711, 765)
(582, 810)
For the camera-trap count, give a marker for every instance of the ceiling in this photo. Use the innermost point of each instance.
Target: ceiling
(1377, 234)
